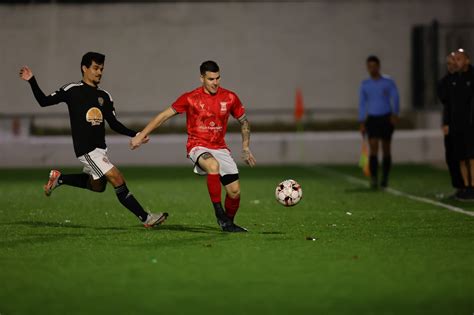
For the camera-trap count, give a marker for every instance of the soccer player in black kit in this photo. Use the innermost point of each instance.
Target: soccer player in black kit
(88, 107)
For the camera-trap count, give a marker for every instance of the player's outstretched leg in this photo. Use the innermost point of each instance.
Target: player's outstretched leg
(81, 180)
(53, 182)
(127, 199)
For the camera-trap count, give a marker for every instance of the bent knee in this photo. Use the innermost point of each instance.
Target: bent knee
(98, 186)
(99, 189)
(115, 178)
(213, 167)
(234, 193)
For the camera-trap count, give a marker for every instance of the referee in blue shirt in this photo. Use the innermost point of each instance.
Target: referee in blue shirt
(379, 108)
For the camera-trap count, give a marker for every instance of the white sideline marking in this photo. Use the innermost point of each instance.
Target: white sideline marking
(396, 192)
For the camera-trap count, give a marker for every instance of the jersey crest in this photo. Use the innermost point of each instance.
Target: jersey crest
(223, 107)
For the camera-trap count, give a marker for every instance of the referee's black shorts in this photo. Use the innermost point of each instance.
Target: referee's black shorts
(379, 127)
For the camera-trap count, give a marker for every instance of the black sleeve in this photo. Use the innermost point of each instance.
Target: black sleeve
(441, 90)
(115, 125)
(446, 114)
(52, 99)
(443, 95)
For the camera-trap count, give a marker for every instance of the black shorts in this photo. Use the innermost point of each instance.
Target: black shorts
(379, 127)
(463, 144)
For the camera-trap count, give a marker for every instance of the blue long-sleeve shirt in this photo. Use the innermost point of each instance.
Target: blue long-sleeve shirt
(378, 97)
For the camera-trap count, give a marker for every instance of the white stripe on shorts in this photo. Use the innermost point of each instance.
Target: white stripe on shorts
(93, 165)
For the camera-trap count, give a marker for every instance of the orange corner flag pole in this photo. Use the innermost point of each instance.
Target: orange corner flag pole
(299, 107)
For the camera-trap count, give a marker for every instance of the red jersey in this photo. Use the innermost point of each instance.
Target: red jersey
(207, 116)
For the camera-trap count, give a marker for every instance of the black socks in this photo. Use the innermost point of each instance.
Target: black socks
(386, 165)
(220, 212)
(128, 201)
(373, 166)
(83, 180)
(76, 180)
(123, 194)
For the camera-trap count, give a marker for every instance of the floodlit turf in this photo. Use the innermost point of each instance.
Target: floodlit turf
(79, 252)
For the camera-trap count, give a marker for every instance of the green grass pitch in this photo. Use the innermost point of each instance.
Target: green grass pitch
(79, 252)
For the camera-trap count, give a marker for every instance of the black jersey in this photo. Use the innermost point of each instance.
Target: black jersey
(443, 94)
(460, 101)
(88, 108)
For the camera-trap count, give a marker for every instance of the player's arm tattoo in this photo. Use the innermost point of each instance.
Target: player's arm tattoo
(245, 129)
(247, 155)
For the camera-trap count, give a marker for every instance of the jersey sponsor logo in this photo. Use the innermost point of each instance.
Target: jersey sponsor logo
(101, 100)
(94, 116)
(212, 126)
(202, 105)
(223, 107)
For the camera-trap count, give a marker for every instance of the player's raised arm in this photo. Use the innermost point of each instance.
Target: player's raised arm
(44, 100)
(247, 155)
(159, 119)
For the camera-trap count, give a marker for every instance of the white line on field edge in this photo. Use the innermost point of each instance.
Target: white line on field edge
(396, 192)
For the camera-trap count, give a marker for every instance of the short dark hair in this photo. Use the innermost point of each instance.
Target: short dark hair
(92, 56)
(210, 66)
(373, 58)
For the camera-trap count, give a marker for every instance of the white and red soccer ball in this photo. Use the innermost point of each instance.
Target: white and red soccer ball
(288, 193)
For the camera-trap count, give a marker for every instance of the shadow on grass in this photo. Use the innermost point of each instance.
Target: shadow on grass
(208, 229)
(42, 224)
(271, 233)
(34, 239)
(450, 200)
(189, 228)
(164, 227)
(194, 229)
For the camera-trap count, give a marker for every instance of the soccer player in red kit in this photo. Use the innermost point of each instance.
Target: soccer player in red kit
(207, 111)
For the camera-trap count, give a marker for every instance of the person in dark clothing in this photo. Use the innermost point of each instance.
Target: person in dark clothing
(451, 161)
(460, 121)
(89, 108)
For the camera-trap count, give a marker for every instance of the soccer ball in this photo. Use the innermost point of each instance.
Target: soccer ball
(288, 193)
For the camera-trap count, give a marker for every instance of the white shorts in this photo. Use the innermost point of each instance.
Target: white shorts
(227, 164)
(96, 163)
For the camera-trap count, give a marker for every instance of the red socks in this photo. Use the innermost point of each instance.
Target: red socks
(231, 206)
(214, 187)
